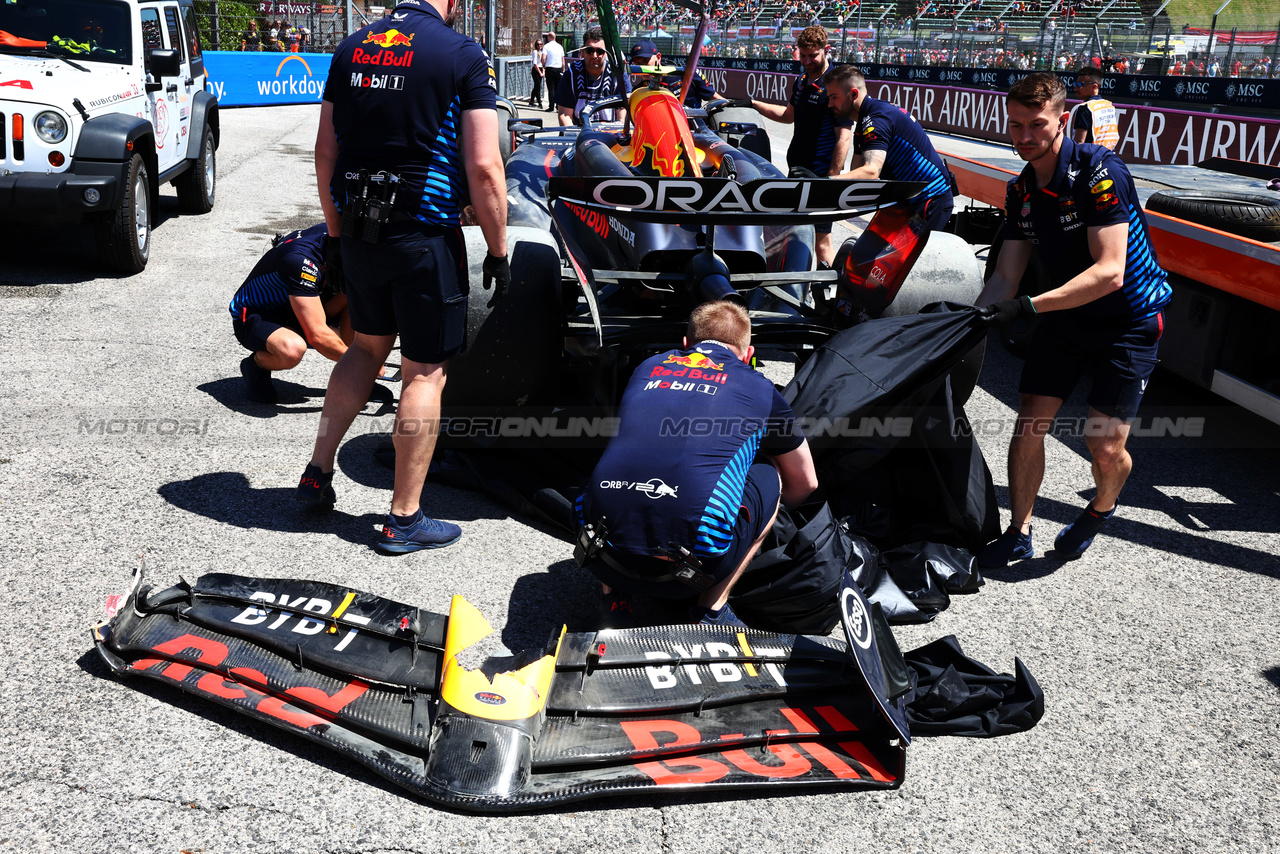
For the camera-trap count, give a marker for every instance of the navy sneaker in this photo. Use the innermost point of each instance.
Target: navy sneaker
(422, 533)
(257, 380)
(722, 617)
(1072, 540)
(1010, 546)
(616, 611)
(316, 488)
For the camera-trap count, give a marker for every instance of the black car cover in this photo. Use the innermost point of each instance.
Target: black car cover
(661, 709)
(889, 443)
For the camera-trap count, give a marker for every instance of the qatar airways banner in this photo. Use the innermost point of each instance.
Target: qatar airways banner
(1148, 135)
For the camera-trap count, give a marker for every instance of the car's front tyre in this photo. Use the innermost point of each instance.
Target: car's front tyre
(124, 234)
(196, 186)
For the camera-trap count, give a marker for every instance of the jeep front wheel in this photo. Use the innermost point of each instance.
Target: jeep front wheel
(196, 185)
(124, 235)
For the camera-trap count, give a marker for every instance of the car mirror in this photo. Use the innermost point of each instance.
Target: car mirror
(164, 63)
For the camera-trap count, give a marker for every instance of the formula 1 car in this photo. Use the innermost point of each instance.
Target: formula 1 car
(662, 709)
(617, 230)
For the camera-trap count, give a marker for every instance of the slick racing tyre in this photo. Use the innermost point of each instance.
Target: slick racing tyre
(196, 186)
(124, 235)
(1246, 214)
(506, 112)
(514, 349)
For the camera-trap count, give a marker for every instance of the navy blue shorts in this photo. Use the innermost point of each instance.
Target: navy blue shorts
(936, 214)
(759, 503)
(1119, 357)
(412, 284)
(254, 330)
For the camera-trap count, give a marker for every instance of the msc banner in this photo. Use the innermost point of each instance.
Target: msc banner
(260, 79)
(1192, 92)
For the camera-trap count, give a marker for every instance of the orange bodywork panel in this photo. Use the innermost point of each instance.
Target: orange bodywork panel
(660, 135)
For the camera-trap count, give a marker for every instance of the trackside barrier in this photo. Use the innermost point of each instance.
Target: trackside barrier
(269, 79)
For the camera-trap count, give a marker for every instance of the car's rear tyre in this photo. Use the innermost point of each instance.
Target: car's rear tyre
(514, 350)
(506, 112)
(196, 186)
(124, 235)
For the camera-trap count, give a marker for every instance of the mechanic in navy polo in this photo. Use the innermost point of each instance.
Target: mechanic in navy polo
(291, 300)
(411, 99)
(682, 470)
(588, 79)
(889, 144)
(820, 140)
(1074, 206)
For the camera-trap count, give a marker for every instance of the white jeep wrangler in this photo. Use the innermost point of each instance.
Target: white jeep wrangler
(101, 102)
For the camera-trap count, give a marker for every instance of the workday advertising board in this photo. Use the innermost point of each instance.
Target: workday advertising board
(262, 79)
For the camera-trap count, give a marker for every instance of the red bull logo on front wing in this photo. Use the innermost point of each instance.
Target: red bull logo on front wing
(694, 360)
(391, 38)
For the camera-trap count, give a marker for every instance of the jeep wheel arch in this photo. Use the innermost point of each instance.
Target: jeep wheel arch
(115, 138)
(204, 112)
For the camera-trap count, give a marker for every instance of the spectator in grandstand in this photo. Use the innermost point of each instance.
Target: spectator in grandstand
(251, 39)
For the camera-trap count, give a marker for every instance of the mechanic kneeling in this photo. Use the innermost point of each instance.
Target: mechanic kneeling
(291, 300)
(677, 506)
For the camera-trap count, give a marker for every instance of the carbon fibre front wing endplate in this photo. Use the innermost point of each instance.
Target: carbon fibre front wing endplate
(670, 708)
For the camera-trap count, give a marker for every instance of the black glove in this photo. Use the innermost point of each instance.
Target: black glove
(334, 279)
(1007, 311)
(497, 270)
(801, 172)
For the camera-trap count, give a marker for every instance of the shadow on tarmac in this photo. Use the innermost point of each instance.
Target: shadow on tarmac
(1273, 675)
(1178, 544)
(228, 497)
(60, 254)
(230, 392)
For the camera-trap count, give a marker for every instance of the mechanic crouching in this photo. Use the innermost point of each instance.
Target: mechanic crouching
(678, 505)
(291, 300)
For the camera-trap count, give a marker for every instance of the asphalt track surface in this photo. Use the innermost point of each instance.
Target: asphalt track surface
(1157, 651)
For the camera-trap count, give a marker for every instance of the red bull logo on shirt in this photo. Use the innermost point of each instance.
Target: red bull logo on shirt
(391, 38)
(694, 360)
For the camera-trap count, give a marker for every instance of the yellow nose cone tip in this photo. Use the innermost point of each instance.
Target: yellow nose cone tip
(508, 696)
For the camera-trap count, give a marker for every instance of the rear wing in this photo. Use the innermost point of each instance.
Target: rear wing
(767, 201)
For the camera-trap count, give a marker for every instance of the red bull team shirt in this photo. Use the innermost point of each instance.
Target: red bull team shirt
(689, 427)
(1090, 187)
(398, 89)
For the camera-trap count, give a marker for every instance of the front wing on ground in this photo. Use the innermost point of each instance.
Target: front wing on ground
(612, 712)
